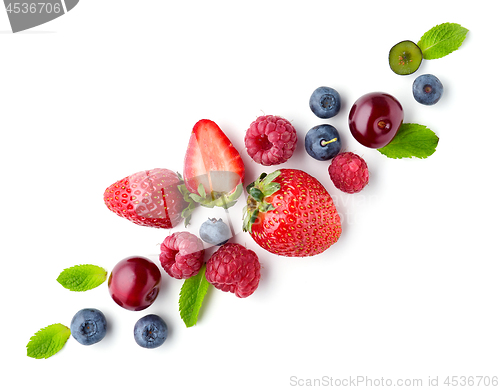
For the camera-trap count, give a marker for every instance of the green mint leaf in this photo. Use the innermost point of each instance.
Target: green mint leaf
(48, 341)
(82, 277)
(411, 140)
(191, 297)
(441, 40)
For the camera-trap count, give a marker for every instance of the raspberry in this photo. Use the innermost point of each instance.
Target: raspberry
(349, 172)
(270, 140)
(182, 255)
(234, 268)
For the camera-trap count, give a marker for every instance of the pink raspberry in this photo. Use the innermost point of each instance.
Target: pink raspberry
(349, 172)
(182, 255)
(234, 268)
(270, 140)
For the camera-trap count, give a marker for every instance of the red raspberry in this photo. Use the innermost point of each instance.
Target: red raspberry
(182, 255)
(349, 172)
(234, 268)
(270, 140)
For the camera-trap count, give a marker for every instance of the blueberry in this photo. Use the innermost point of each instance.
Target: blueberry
(325, 102)
(323, 142)
(88, 326)
(427, 89)
(150, 331)
(215, 232)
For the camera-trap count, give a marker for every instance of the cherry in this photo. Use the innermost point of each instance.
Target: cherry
(134, 283)
(375, 119)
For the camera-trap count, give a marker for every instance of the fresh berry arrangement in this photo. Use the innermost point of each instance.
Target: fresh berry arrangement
(287, 212)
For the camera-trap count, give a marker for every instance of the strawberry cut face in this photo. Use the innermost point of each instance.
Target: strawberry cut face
(148, 198)
(212, 162)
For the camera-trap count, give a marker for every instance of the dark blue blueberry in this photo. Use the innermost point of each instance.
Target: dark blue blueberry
(427, 89)
(215, 232)
(150, 331)
(325, 102)
(323, 142)
(88, 326)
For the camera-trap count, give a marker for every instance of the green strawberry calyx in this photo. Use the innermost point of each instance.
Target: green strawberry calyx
(258, 191)
(191, 204)
(214, 198)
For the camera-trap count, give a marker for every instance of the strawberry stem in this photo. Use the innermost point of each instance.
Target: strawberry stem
(258, 191)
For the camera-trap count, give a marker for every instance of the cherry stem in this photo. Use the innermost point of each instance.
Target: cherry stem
(323, 142)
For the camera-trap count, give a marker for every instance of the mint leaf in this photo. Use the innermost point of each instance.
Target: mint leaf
(411, 140)
(191, 297)
(441, 40)
(48, 341)
(82, 277)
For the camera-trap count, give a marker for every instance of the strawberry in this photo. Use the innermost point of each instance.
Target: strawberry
(290, 213)
(149, 198)
(213, 168)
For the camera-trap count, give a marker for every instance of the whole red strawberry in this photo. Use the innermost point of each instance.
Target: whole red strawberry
(290, 213)
(182, 255)
(234, 268)
(349, 172)
(148, 198)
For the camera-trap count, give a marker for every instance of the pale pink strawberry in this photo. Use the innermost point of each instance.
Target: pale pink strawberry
(148, 198)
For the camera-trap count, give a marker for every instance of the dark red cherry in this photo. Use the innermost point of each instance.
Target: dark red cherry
(375, 119)
(134, 283)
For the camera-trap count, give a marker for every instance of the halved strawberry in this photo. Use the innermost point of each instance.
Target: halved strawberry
(150, 198)
(213, 168)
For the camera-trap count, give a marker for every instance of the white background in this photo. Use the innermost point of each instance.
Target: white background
(411, 289)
